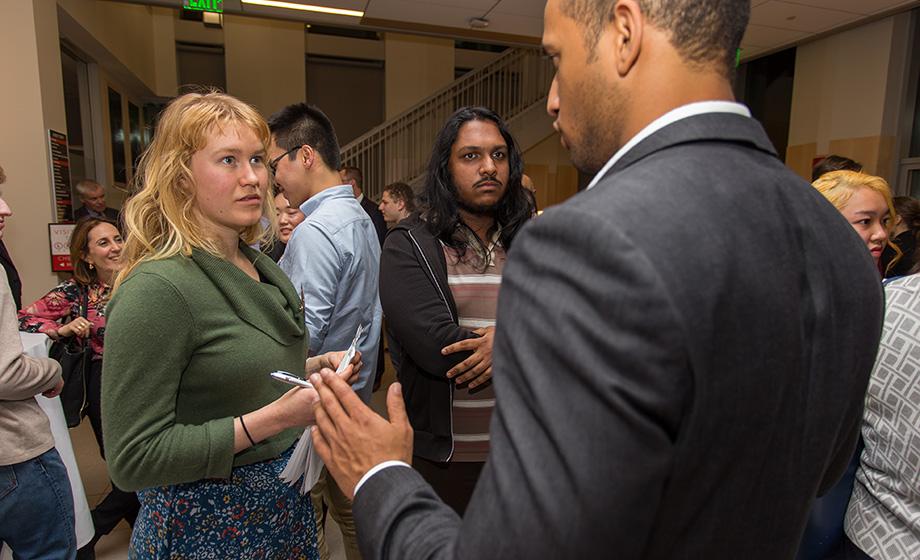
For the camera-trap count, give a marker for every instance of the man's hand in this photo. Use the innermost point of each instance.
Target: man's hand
(350, 437)
(477, 369)
(54, 391)
(332, 360)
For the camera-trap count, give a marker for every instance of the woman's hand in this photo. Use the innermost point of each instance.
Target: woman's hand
(331, 360)
(80, 327)
(294, 409)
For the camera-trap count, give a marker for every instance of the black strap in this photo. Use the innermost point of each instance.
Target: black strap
(84, 311)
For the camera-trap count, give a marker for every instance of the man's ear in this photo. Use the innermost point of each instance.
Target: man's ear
(625, 29)
(307, 156)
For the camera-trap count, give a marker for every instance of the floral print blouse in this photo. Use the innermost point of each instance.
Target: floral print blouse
(62, 305)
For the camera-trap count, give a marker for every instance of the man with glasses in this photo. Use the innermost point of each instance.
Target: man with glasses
(333, 260)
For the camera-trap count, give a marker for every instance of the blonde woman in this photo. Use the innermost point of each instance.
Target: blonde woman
(865, 201)
(191, 418)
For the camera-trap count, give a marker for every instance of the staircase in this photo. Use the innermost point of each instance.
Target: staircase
(515, 86)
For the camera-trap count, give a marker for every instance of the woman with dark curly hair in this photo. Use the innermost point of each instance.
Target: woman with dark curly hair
(95, 251)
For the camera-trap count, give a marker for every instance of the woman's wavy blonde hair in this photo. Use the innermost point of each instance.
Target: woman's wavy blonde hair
(838, 188)
(161, 218)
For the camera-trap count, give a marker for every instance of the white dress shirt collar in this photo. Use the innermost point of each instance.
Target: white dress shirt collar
(691, 110)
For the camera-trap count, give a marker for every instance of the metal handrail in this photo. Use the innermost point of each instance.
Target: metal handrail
(398, 150)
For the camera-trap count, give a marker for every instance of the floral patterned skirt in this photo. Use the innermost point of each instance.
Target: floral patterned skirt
(252, 514)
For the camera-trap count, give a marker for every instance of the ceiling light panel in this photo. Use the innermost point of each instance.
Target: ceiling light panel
(305, 7)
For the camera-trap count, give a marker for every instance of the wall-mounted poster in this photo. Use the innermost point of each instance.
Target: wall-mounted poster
(59, 241)
(117, 126)
(60, 176)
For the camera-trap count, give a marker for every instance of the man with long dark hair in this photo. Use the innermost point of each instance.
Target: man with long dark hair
(439, 279)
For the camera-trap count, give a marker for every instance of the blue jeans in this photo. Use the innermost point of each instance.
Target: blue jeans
(36, 509)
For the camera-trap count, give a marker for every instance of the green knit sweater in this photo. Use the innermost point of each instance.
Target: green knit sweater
(189, 345)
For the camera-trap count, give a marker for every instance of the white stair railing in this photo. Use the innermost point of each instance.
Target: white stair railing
(398, 150)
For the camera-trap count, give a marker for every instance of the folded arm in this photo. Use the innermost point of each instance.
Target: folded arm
(21, 377)
(415, 311)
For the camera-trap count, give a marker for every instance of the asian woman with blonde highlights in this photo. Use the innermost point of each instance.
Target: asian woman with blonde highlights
(198, 320)
(866, 202)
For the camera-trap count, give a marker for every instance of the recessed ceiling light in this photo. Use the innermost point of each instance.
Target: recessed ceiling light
(305, 7)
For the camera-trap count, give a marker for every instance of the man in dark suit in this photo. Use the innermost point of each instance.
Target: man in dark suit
(92, 195)
(681, 350)
(353, 176)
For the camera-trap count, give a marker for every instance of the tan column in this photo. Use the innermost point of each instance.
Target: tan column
(265, 61)
(164, 51)
(416, 67)
(31, 102)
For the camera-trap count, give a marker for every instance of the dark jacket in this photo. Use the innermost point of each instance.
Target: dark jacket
(680, 362)
(907, 243)
(380, 225)
(421, 313)
(12, 275)
(110, 214)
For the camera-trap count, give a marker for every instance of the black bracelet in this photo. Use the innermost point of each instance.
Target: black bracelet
(245, 431)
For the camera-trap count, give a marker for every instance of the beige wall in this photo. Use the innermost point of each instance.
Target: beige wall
(126, 31)
(553, 174)
(473, 60)
(31, 59)
(416, 67)
(164, 51)
(195, 31)
(345, 47)
(265, 61)
(843, 86)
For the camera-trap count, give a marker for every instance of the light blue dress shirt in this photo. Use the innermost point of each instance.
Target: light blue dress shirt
(333, 259)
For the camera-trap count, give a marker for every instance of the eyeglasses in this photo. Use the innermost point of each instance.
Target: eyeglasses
(273, 164)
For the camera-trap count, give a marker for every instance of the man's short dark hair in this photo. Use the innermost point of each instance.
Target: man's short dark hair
(403, 193)
(834, 163)
(353, 173)
(302, 123)
(702, 31)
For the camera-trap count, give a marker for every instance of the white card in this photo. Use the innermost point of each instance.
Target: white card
(352, 350)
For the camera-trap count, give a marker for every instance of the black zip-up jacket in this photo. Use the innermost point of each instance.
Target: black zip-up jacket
(422, 316)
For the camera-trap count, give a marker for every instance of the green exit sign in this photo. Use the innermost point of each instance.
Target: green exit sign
(215, 6)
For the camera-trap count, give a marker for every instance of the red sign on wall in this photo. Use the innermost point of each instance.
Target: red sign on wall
(59, 240)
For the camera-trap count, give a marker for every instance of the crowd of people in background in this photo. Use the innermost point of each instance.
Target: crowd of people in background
(651, 383)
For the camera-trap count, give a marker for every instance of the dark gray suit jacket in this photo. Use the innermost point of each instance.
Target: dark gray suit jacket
(110, 214)
(680, 362)
(380, 225)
